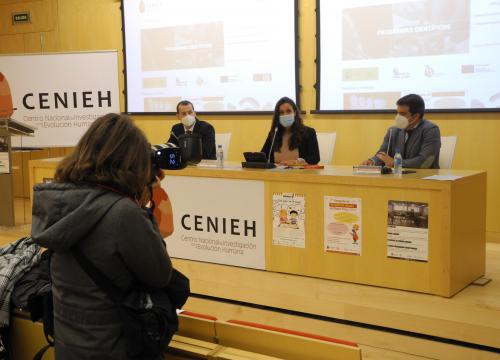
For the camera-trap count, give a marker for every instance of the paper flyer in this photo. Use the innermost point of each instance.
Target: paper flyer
(289, 220)
(4, 155)
(342, 225)
(408, 230)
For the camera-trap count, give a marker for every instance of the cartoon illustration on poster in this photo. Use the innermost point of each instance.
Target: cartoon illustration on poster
(342, 225)
(289, 220)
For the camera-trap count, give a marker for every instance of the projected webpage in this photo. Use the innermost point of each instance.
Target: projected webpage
(222, 55)
(374, 52)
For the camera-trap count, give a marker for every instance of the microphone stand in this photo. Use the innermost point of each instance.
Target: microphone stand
(272, 144)
(389, 143)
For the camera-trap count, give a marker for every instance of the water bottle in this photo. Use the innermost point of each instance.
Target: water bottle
(220, 156)
(398, 163)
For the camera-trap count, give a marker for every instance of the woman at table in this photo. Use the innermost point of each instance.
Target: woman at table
(294, 142)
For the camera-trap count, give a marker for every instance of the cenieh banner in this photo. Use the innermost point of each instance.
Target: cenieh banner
(219, 221)
(61, 94)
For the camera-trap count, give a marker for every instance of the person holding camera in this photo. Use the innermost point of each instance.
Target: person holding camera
(95, 207)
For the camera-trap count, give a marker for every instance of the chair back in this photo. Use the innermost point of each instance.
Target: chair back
(224, 140)
(447, 151)
(326, 142)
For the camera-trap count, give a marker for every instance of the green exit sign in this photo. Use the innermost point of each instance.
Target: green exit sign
(21, 17)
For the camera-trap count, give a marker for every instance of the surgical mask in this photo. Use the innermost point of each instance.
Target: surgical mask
(188, 120)
(401, 121)
(287, 120)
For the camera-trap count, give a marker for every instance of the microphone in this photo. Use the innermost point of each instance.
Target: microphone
(389, 143)
(272, 144)
(175, 136)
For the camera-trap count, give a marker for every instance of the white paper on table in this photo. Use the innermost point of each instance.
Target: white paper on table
(4, 163)
(213, 165)
(443, 177)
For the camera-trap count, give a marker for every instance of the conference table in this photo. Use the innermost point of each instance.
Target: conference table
(422, 232)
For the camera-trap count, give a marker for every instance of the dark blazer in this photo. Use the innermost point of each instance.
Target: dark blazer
(207, 133)
(308, 148)
(421, 149)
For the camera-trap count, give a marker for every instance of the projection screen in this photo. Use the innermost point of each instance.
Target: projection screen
(222, 55)
(372, 52)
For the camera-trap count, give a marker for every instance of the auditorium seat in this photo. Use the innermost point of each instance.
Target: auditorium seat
(27, 338)
(283, 343)
(182, 347)
(202, 336)
(197, 326)
(447, 151)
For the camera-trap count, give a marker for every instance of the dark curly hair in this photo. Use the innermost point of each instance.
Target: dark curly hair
(112, 152)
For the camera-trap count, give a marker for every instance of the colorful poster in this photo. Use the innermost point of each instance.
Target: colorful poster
(289, 217)
(343, 232)
(408, 230)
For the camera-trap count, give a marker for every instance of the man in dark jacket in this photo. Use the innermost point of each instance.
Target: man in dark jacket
(190, 124)
(417, 139)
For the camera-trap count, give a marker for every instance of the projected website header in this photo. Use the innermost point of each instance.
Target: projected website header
(374, 52)
(222, 55)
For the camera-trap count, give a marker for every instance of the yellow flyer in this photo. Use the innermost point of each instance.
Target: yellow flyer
(343, 229)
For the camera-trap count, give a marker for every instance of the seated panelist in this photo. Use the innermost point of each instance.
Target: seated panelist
(294, 143)
(417, 139)
(190, 124)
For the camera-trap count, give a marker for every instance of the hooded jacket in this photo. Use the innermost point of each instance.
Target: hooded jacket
(122, 242)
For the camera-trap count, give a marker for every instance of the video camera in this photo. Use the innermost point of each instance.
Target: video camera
(167, 157)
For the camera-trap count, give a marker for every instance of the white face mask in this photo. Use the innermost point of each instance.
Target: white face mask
(401, 121)
(188, 120)
(287, 120)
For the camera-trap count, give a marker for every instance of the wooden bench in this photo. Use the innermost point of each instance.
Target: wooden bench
(202, 336)
(283, 343)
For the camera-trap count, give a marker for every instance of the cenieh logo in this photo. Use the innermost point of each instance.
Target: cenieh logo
(219, 225)
(21, 17)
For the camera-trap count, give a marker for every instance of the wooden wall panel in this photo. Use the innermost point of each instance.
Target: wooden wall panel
(42, 17)
(96, 25)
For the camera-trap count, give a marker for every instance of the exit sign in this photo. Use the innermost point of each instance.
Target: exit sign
(21, 17)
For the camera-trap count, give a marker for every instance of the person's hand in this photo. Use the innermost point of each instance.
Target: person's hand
(367, 162)
(388, 161)
(293, 162)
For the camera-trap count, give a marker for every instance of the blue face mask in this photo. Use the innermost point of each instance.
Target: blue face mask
(287, 120)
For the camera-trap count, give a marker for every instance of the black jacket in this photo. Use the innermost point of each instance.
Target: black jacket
(207, 133)
(122, 242)
(308, 148)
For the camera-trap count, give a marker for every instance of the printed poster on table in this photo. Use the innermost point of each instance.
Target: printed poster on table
(289, 220)
(343, 232)
(408, 230)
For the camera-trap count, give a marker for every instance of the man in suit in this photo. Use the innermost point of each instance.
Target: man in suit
(190, 124)
(417, 139)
